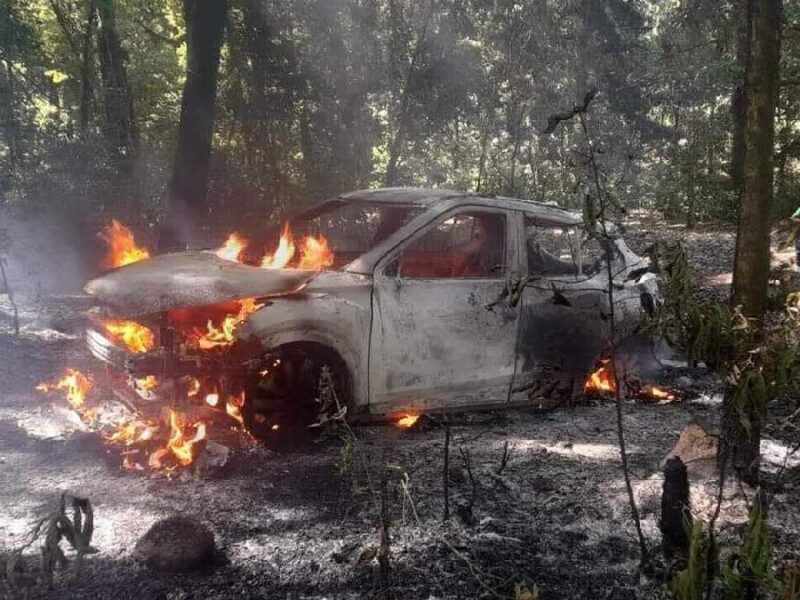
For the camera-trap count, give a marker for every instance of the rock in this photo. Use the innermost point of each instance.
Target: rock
(177, 544)
(697, 448)
(216, 455)
(684, 381)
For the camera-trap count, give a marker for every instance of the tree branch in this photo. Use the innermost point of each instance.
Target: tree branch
(554, 120)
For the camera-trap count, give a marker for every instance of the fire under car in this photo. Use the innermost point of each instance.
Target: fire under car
(406, 300)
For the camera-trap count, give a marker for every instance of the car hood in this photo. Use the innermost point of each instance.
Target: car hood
(192, 278)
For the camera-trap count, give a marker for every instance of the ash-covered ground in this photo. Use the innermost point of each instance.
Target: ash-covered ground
(290, 524)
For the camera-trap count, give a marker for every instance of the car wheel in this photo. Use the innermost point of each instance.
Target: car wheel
(282, 401)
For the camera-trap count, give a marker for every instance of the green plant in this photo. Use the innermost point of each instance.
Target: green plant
(54, 528)
(690, 583)
(749, 569)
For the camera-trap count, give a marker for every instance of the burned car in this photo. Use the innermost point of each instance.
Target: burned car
(411, 300)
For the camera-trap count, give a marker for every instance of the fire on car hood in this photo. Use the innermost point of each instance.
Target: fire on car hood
(192, 278)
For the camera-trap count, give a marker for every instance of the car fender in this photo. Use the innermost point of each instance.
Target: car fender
(337, 323)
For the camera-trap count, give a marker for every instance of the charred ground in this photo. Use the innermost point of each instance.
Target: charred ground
(290, 524)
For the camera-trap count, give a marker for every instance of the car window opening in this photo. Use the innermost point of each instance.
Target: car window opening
(467, 245)
(555, 251)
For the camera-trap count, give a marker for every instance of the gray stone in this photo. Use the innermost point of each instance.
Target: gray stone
(177, 544)
(697, 448)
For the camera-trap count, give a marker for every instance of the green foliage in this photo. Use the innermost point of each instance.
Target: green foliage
(690, 583)
(312, 97)
(705, 331)
(750, 567)
(760, 362)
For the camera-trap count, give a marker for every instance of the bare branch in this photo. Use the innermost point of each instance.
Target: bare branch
(554, 120)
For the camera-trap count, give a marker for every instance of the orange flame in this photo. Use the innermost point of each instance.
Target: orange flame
(131, 432)
(232, 248)
(407, 421)
(224, 334)
(147, 383)
(193, 387)
(602, 379)
(122, 248)
(136, 337)
(128, 464)
(234, 407)
(284, 252)
(179, 446)
(658, 393)
(316, 254)
(74, 383)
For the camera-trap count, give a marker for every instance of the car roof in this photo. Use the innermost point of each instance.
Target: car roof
(428, 197)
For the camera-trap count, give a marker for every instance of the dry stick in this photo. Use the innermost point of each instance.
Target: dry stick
(458, 554)
(468, 465)
(711, 557)
(506, 457)
(328, 380)
(10, 294)
(446, 471)
(384, 568)
(601, 196)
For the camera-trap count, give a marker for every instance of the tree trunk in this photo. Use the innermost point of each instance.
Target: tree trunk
(118, 123)
(8, 118)
(738, 445)
(404, 111)
(86, 66)
(739, 96)
(691, 187)
(187, 203)
(676, 514)
(751, 266)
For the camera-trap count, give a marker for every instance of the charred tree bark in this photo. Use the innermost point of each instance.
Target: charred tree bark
(742, 444)
(751, 265)
(446, 472)
(676, 515)
(86, 66)
(186, 206)
(119, 126)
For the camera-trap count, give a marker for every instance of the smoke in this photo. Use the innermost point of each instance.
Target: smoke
(43, 256)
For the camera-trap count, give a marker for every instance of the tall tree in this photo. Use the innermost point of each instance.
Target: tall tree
(186, 205)
(118, 104)
(86, 66)
(751, 264)
(403, 113)
(739, 97)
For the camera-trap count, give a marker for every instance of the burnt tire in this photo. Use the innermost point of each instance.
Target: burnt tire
(280, 405)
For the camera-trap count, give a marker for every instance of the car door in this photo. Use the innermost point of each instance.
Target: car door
(434, 343)
(564, 315)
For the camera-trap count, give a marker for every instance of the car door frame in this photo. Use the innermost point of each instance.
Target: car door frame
(563, 322)
(432, 397)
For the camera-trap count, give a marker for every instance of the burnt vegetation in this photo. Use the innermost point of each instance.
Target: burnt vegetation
(224, 373)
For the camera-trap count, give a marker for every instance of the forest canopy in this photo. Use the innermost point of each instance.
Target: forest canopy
(318, 97)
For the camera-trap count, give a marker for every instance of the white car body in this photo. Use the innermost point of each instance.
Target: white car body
(422, 344)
